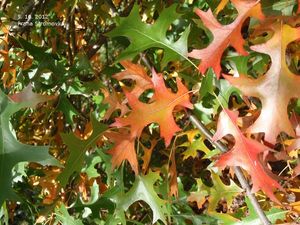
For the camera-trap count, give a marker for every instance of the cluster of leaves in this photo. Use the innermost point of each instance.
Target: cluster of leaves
(94, 111)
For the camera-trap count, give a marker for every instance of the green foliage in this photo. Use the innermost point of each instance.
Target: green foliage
(72, 161)
(273, 215)
(64, 217)
(143, 36)
(143, 190)
(12, 151)
(78, 148)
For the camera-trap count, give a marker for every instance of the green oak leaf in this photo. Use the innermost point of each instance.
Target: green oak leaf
(90, 169)
(78, 148)
(12, 151)
(141, 190)
(218, 191)
(273, 214)
(207, 84)
(225, 91)
(95, 203)
(66, 107)
(193, 148)
(143, 36)
(195, 144)
(63, 216)
(93, 159)
(46, 61)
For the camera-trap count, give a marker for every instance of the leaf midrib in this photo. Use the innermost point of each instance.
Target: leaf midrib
(165, 45)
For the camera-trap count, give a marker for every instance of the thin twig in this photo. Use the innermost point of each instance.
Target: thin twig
(68, 37)
(262, 216)
(73, 33)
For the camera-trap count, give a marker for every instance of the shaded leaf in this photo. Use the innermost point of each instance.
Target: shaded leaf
(12, 151)
(77, 149)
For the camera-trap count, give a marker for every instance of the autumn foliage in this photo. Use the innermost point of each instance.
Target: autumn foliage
(95, 105)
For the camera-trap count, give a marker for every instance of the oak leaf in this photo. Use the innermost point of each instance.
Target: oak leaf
(123, 149)
(194, 144)
(224, 35)
(143, 36)
(159, 111)
(77, 149)
(276, 88)
(27, 95)
(214, 194)
(200, 195)
(12, 151)
(147, 155)
(245, 153)
(114, 101)
(143, 189)
(138, 74)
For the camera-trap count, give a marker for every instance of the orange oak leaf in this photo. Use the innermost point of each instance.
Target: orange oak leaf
(159, 111)
(224, 35)
(147, 155)
(138, 74)
(114, 101)
(298, 11)
(276, 88)
(123, 149)
(246, 153)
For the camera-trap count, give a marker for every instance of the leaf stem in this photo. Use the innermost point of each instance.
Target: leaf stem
(244, 183)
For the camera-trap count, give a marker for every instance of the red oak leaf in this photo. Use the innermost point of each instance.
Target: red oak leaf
(138, 74)
(276, 88)
(123, 149)
(246, 153)
(159, 111)
(224, 35)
